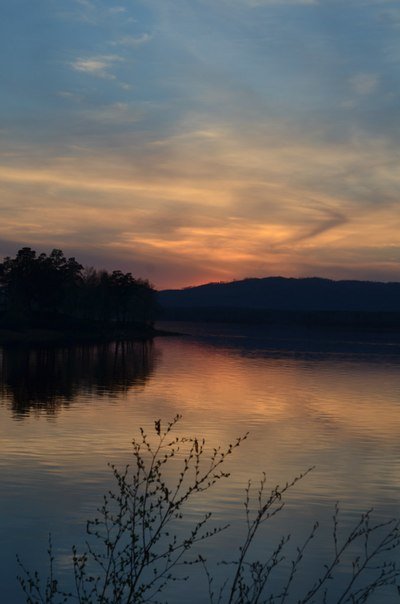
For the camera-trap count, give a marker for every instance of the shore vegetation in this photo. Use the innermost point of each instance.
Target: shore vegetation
(141, 541)
(46, 296)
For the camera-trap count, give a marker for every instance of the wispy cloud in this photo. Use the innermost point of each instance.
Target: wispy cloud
(107, 116)
(364, 83)
(99, 66)
(117, 10)
(281, 2)
(252, 136)
(391, 16)
(71, 96)
(216, 203)
(92, 12)
(132, 41)
(85, 11)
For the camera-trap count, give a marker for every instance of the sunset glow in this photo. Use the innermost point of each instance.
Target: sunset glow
(203, 141)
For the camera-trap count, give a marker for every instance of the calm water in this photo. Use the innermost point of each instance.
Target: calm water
(332, 402)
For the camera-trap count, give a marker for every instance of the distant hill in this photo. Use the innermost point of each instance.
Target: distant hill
(273, 297)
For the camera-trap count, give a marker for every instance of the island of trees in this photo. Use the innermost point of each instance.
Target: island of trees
(56, 294)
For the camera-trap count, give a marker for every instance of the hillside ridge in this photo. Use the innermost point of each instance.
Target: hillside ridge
(309, 294)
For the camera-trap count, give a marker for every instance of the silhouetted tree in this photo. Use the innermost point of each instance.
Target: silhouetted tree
(53, 286)
(117, 297)
(38, 284)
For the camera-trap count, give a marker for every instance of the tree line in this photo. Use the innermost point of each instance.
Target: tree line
(41, 287)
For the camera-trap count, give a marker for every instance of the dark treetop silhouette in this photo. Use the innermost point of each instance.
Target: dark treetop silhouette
(55, 292)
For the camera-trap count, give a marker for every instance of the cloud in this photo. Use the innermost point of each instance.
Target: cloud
(282, 2)
(364, 83)
(391, 17)
(98, 66)
(84, 11)
(214, 203)
(92, 12)
(244, 141)
(109, 116)
(71, 96)
(117, 10)
(133, 41)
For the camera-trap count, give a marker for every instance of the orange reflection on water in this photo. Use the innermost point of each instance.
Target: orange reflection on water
(338, 413)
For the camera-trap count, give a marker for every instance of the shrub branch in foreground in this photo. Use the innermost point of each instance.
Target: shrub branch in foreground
(136, 546)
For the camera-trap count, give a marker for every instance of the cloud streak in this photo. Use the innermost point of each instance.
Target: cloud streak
(218, 201)
(133, 41)
(216, 140)
(99, 66)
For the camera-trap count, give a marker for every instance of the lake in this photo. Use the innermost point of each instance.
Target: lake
(326, 400)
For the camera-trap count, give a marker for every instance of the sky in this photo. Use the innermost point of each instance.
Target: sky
(189, 141)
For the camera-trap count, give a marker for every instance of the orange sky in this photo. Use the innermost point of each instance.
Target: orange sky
(199, 142)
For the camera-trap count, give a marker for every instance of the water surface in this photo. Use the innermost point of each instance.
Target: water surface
(331, 402)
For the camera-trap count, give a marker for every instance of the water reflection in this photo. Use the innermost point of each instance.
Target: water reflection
(47, 378)
(282, 341)
(305, 403)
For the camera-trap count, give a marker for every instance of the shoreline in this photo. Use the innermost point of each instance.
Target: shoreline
(36, 335)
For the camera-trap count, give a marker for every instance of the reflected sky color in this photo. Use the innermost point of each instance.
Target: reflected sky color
(306, 407)
(339, 412)
(203, 140)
